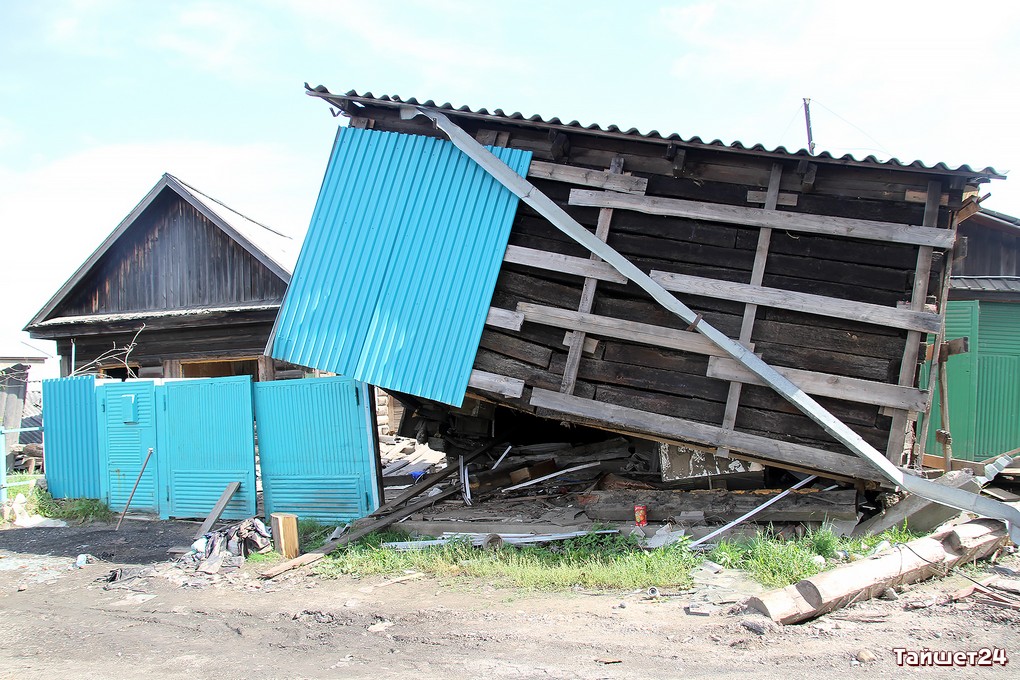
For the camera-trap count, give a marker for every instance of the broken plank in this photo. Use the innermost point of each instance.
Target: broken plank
(587, 177)
(799, 302)
(778, 453)
(610, 327)
(828, 385)
(504, 318)
(218, 509)
(758, 217)
(285, 534)
(566, 264)
(498, 384)
(361, 532)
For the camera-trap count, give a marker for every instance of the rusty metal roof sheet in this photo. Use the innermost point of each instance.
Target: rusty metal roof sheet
(654, 135)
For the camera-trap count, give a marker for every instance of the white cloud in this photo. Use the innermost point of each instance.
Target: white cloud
(55, 215)
(222, 39)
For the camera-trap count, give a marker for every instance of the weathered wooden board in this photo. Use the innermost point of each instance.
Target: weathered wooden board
(801, 302)
(722, 506)
(587, 177)
(757, 217)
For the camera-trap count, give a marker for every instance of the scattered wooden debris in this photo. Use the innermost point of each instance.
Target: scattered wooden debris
(920, 514)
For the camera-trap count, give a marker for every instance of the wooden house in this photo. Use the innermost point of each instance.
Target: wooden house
(829, 268)
(188, 285)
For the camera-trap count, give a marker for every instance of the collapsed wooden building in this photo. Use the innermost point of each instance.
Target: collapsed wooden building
(833, 270)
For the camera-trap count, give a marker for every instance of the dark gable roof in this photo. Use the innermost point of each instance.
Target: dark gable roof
(614, 131)
(275, 250)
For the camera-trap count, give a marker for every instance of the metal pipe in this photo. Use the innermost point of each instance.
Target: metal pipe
(133, 489)
(751, 513)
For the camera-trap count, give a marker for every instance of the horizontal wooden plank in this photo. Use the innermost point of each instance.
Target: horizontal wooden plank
(591, 345)
(607, 326)
(779, 453)
(799, 302)
(586, 177)
(828, 385)
(784, 198)
(759, 217)
(499, 384)
(567, 264)
(504, 318)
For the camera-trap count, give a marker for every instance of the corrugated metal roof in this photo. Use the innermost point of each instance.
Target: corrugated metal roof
(986, 284)
(614, 130)
(395, 276)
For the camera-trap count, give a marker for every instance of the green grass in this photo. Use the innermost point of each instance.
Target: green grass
(40, 502)
(775, 562)
(606, 561)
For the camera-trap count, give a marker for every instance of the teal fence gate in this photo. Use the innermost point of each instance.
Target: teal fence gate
(316, 448)
(127, 430)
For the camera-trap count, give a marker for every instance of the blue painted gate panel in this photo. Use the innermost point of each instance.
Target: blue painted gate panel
(127, 430)
(206, 441)
(72, 437)
(397, 271)
(316, 448)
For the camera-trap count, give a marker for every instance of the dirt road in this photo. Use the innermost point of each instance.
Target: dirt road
(62, 622)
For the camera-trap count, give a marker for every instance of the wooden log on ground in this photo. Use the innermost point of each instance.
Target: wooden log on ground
(857, 581)
(800, 506)
(285, 534)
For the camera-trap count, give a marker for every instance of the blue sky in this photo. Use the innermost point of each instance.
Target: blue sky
(99, 97)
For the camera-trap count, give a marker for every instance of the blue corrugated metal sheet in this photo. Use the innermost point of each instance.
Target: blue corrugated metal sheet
(127, 430)
(72, 437)
(316, 448)
(395, 276)
(206, 441)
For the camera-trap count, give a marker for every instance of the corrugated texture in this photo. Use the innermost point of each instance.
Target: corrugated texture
(394, 280)
(1000, 329)
(207, 441)
(998, 413)
(72, 437)
(984, 384)
(613, 130)
(985, 284)
(127, 431)
(316, 448)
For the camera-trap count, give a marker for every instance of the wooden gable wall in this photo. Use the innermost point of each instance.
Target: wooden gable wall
(172, 258)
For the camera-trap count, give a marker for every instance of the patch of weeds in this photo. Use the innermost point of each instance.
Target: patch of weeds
(898, 534)
(603, 561)
(81, 510)
(727, 554)
(823, 542)
(312, 534)
(776, 563)
(261, 558)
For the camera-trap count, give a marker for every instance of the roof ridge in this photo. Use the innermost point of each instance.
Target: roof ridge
(224, 205)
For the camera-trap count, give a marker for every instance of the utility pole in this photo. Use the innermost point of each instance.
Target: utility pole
(807, 121)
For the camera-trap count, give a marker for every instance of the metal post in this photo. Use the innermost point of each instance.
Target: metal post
(807, 121)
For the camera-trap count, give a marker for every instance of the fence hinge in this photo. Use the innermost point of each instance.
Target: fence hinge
(357, 395)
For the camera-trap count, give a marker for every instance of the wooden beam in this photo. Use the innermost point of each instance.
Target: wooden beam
(778, 453)
(499, 384)
(567, 264)
(799, 302)
(786, 199)
(828, 385)
(504, 318)
(218, 509)
(587, 300)
(286, 539)
(758, 217)
(589, 178)
(751, 310)
(918, 298)
(608, 327)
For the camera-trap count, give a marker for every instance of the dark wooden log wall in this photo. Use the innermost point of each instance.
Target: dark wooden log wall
(172, 258)
(990, 252)
(674, 383)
